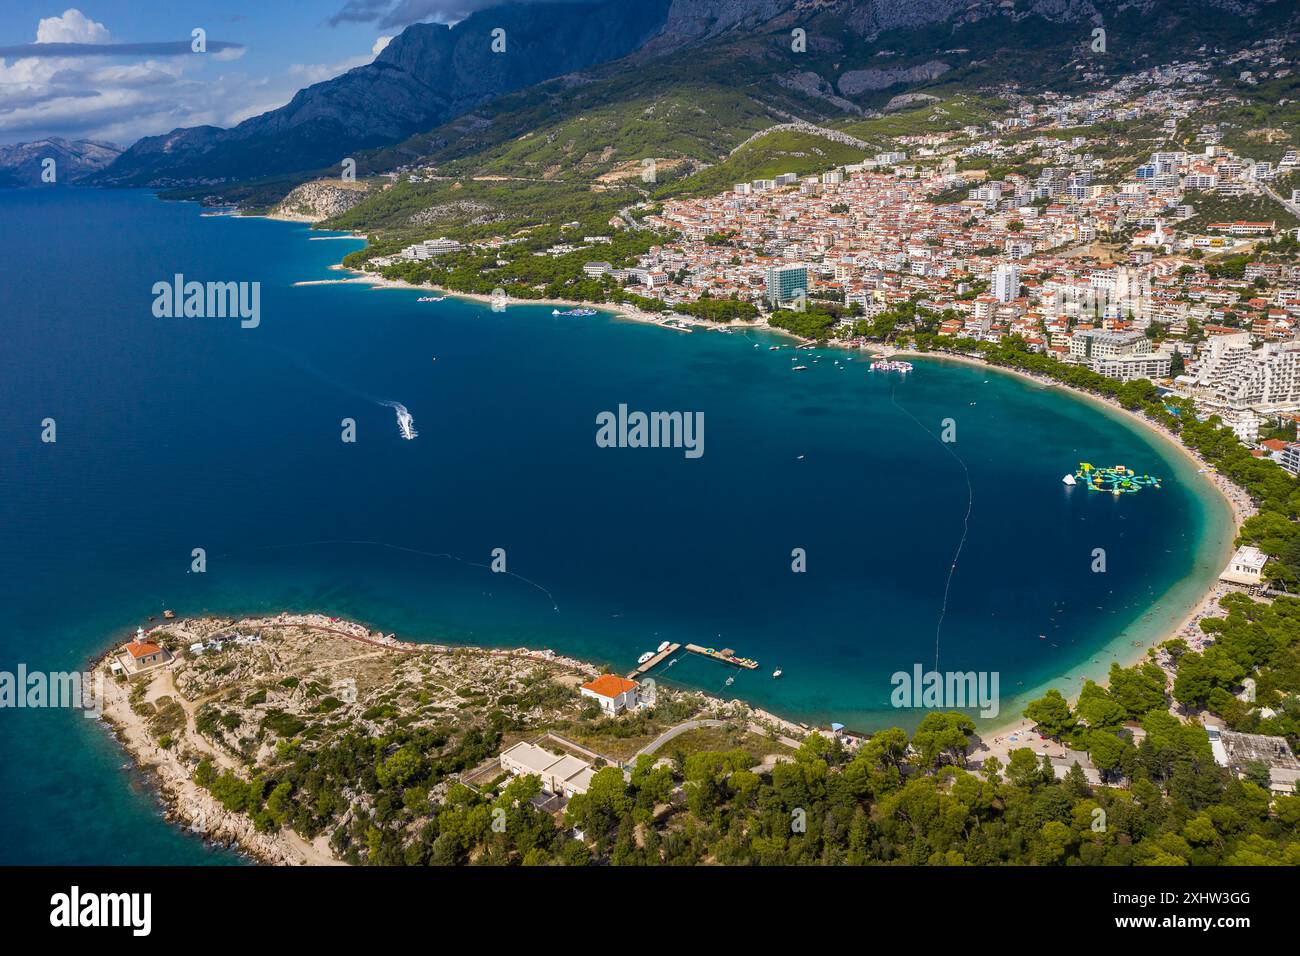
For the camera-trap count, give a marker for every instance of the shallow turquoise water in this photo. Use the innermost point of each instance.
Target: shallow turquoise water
(184, 433)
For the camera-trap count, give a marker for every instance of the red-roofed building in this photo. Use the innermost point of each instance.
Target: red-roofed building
(614, 694)
(144, 654)
(1273, 448)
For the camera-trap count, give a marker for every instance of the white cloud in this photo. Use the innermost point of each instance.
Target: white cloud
(380, 43)
(73, 27)
(122, 97)
(308, 73)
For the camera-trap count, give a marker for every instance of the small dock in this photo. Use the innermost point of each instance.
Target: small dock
(726, 655)
(654, 661)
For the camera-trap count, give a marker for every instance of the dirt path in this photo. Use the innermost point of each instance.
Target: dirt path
(194, 805)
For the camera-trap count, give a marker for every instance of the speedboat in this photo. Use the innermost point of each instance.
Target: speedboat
(777, 672)
(645, 657)
(664, 646)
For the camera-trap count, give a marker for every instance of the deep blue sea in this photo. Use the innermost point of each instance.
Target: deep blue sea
(183, 433)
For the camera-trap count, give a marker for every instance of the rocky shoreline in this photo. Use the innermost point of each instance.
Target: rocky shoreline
(168, 755)
(185, 804)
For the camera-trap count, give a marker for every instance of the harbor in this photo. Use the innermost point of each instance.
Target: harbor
(647, 664)
(726, 655)
(652, 659)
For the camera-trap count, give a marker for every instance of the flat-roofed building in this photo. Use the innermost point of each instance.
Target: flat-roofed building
(786, 284)
(1237, 751)
(562, 774)
(1290, 458)
(1246, 566)
(1126, 368)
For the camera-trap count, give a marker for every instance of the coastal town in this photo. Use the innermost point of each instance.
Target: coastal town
(303, 631)
(1106, 230)
(1122, 235)
(1111, 267)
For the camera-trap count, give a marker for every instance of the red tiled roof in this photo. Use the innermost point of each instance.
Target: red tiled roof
(607, 685)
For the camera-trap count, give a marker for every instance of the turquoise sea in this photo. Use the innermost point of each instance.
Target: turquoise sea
(183, 433)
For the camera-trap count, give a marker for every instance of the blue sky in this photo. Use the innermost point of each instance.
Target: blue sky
(260, 53)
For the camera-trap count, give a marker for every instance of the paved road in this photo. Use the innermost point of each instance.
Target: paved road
(668, 735)
(1290, 207)
(755, 728)
(626, 213)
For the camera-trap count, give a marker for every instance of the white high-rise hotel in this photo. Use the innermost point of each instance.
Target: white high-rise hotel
(1241, 382)
(1006, 283)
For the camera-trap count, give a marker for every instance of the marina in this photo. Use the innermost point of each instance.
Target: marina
(652, 659)
(646, 664)
(726, 655)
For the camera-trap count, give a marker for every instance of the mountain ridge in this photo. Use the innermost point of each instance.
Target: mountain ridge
(860, 54)
(427, 74)
(21, 164)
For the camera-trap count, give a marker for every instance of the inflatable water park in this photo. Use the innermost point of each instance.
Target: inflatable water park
(1117, 479)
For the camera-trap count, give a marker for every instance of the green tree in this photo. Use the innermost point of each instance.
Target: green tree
(1051, 714)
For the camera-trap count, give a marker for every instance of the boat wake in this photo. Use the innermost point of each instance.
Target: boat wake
(405, 423)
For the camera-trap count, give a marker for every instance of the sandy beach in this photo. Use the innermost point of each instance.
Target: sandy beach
(994, 741)
(1237, 500)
